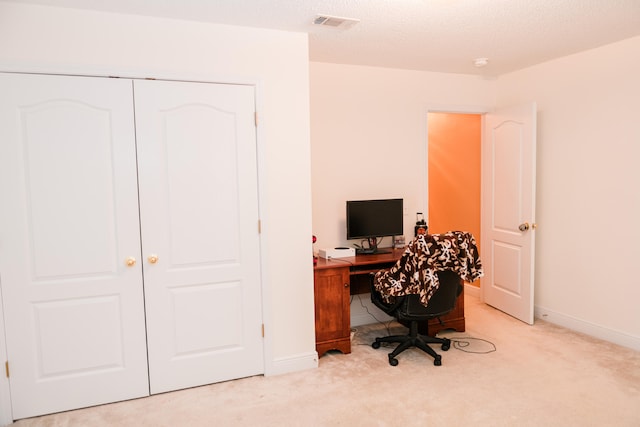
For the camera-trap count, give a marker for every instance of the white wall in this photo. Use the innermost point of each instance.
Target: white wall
(45, 39)
(368, 137)
(588, 187)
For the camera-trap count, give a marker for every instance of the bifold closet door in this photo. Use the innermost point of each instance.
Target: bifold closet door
(69, 243)
(76, 278)
(198, 182)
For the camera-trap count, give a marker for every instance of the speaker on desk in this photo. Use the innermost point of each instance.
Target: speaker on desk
(421, 225)
(337, 253)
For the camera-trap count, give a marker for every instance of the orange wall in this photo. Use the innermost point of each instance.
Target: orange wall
(454, 173)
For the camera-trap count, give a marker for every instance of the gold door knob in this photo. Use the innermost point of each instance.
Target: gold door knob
(130, 261)
(524, 226)
(153, 258)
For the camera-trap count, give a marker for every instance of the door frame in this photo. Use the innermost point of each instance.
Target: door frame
(480, 110)
(6, 412)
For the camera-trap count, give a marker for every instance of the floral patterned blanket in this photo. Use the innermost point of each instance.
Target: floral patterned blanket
(416, 271)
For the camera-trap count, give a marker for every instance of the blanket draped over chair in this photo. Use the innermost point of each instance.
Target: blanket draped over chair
(416, 271)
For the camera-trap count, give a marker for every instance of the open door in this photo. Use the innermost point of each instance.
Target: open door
(508, 210)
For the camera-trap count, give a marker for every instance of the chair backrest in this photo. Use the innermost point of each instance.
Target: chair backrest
(440, 303)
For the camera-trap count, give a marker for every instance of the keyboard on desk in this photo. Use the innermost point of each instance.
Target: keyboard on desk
(370, 268)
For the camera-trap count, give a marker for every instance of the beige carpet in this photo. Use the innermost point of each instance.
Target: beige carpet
(540, 375)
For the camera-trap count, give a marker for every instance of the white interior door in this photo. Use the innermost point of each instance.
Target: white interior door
(199, 215)
(74, 312)
(508, 210)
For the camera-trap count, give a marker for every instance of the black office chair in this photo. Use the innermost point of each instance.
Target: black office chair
(409, 309)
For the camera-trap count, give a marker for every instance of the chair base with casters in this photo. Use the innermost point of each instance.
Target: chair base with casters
(413, 340)
(408, 309)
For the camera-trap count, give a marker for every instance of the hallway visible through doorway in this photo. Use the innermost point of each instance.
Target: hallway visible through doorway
(454, 148)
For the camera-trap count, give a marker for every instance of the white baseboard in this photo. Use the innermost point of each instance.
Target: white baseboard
(587, 328)
(472, 290)
(367, 319)
(363, 312)
(298, 362)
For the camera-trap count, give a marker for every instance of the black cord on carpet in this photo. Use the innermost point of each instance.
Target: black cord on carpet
(459, 344)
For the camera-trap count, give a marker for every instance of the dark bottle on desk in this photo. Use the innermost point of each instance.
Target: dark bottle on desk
(421, 225)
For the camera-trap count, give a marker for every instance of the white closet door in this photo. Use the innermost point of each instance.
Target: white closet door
(199, 215)
(74, 312)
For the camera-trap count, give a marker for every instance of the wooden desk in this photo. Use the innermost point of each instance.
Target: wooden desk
(337, 279)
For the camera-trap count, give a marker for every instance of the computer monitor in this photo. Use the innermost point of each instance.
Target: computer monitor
(373, 219)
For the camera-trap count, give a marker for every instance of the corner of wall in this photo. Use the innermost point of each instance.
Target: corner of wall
(294, 363)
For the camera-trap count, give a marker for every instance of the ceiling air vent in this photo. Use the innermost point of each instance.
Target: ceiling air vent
(335, 21)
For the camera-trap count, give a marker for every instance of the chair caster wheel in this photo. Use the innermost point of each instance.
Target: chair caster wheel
(393, 361)
(437, 361)
(446, 346)
(375, 344)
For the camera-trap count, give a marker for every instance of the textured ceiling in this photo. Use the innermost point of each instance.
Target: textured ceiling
(432, 35)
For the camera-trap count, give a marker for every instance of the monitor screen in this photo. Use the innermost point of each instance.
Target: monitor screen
(374, 218)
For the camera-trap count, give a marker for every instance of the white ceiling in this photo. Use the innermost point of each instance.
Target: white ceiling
(431, 35)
